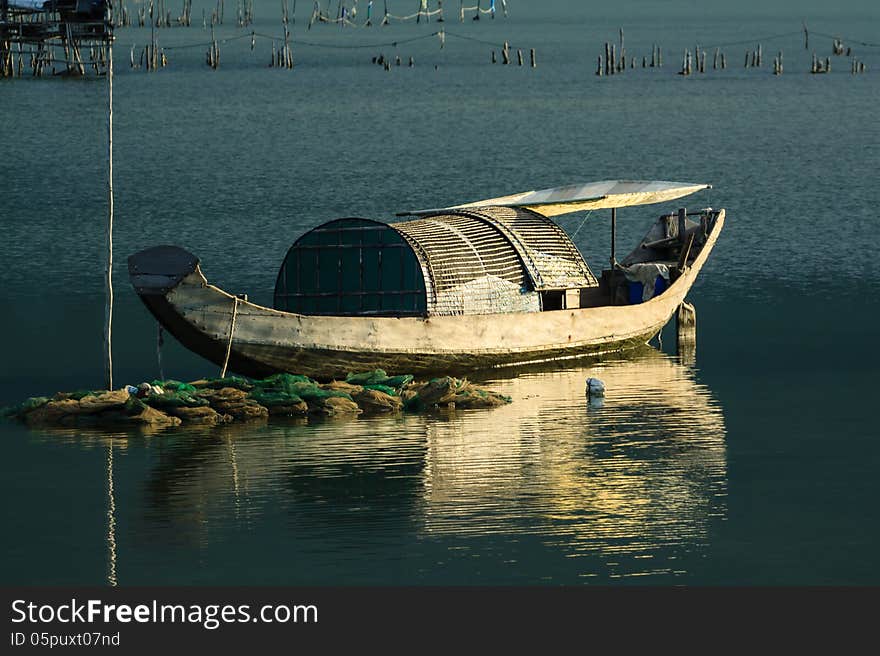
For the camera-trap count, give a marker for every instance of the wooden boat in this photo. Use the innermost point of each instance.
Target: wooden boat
(483, 284)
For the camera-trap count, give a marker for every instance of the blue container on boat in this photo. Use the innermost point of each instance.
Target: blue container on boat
(636, 289)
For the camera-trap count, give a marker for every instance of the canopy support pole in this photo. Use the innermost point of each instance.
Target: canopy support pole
(613, 236)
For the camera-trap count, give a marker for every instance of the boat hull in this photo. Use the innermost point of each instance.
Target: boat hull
(260, 340)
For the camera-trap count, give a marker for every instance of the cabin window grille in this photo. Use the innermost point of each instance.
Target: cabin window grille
(351, 267)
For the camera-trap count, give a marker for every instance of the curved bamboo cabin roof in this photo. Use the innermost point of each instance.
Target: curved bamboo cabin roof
(483, 260)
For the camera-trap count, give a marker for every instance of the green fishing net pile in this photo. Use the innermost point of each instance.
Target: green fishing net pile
(175, 395)
(28, 405)
(276, 390)
(380, 381)
(24, 407)
(290, 389)
(286, 390)
(236, 382)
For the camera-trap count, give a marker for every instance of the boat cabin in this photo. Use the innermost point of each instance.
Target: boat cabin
(488, 260)
(499, 256)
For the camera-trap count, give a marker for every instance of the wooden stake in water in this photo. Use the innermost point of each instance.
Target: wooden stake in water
(108, 273)
(686, 332)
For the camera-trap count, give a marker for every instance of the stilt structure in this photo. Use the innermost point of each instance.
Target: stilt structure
(55, 32)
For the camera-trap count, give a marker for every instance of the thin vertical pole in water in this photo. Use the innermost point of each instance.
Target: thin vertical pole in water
(613, 236)
(686, 333)
(108, 273)
(160, 342)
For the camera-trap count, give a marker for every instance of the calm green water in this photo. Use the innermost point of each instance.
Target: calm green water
(755, 465)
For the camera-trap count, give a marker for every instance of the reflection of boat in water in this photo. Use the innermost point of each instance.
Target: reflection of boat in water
(647, 466)
(638, 478)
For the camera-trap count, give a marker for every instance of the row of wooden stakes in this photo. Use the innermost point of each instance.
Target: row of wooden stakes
(615, 61)
(283, 56)
(505, 56)
(152, 57)
(159, 16)
(42, 59)
(819, 66)
(385, 62)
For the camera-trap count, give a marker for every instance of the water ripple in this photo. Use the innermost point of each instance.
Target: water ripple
(623, 488)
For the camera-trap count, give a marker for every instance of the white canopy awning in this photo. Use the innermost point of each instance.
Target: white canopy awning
(585, 196)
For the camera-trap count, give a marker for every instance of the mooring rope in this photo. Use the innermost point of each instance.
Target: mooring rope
(487, 43)
(446, 32)
(231, 333)
(416, 15)
(847, 40)
(477, 8)
(297, 42)
(753, 41)
(208, 43)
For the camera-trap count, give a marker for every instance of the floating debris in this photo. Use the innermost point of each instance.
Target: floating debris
(595, 387)
(159, 404)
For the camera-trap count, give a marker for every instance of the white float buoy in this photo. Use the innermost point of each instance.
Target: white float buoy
(595, 387)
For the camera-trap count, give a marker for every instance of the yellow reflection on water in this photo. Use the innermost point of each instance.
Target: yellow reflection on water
(642, 469)
(111, 521)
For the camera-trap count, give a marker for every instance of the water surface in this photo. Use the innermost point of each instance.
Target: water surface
(753, 465)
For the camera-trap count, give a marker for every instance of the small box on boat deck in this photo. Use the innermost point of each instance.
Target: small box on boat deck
(636, 289)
